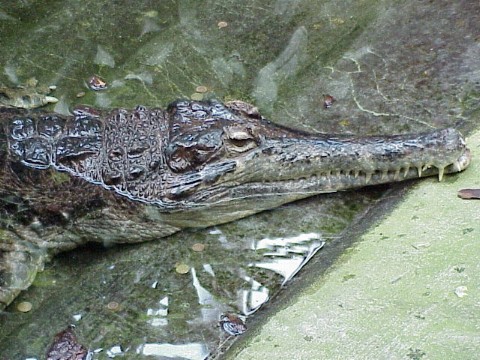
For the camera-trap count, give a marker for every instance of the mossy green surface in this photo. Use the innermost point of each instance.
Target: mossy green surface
(409, 289)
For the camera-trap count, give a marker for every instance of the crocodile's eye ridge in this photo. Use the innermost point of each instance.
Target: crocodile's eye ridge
(193, 151)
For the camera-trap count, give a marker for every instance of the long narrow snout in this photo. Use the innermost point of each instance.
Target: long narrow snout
(330, 163)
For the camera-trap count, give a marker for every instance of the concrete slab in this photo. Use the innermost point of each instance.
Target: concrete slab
(410, 289)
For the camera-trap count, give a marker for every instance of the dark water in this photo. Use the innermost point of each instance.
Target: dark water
(392, 67)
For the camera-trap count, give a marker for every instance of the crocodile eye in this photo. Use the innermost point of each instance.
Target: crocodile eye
(240, 139)
(240, 143)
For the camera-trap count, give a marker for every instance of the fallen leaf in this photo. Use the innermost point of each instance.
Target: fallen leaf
(469, 194)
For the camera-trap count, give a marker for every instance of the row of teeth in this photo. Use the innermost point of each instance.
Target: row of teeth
(397, 173)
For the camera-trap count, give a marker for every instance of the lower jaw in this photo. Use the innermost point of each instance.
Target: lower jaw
(338, 181)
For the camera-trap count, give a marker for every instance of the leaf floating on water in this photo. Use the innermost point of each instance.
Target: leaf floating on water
(201, 89)
(198, 247)
(24, 306)
(469, 194)
(182, 268)
(196, 96)
(113, 305)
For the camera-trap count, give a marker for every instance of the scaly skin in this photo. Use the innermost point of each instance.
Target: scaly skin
(130, 176)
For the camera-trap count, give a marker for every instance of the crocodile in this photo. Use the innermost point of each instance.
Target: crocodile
(126, 176)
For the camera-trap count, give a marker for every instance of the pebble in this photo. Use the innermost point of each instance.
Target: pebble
(328, 101)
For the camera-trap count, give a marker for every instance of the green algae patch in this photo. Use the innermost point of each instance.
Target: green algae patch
(414, 293)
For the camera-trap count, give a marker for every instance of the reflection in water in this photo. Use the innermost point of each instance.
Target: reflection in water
(130, 301)
(251, 299)
(221, 307)
(115, 351)
(193, 351)
(288, 255)
(158, 316)
(210, 309)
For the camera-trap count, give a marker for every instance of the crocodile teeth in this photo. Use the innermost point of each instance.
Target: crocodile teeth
(368, 176)
(357, 172)
(440, 173)
(397, 174)
(419, 169)
(384, 174)
(405, 173)
(456, 166)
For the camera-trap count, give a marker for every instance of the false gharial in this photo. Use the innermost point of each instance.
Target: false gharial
(126, 176)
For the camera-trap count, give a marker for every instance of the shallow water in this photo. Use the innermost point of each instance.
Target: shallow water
(242, 266)
(283, 56)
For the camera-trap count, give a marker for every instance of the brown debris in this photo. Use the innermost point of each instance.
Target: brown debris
(328, 101)
(468, 194)
(66, 347)
(233, 324)
(96, 83)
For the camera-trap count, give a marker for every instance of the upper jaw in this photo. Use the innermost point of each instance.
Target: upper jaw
(444, 150)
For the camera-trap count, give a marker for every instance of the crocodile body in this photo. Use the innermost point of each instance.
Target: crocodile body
(126, 176)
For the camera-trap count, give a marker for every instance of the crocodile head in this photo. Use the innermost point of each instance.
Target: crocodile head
(231, 161)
